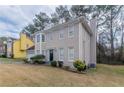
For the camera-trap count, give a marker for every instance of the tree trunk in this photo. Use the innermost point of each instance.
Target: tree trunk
(111, 35)
(122, 44)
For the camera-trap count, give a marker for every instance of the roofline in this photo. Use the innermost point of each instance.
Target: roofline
(77, 20)
(31, 47)
(86, 25)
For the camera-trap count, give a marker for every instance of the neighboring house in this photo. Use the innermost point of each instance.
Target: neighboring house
(10, 46)
(21, 45)
(2, 49)
(68, 41)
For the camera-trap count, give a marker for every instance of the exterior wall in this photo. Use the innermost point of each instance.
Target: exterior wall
(57, 43)
(83, 43)
(64, 43)
(23, 42)
(16, 50)
(86, 47)
(20, 46)
(87, 43)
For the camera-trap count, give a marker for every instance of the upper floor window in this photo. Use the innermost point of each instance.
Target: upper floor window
(61, 35)
(38, 38)
(70, 53)
(71, 31)
(43, 38)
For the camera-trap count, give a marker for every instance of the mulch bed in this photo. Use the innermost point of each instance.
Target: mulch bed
(63, 68)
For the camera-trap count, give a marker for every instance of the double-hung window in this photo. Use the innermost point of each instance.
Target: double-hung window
(61, 35)
(71, 31)
(38, 38)
(70, 54)
(43, 38)
(61, 54)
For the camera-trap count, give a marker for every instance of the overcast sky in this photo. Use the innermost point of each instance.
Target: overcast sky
(14, 18)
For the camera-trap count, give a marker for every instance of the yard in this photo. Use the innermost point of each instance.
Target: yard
(38, 75)
(10, 60)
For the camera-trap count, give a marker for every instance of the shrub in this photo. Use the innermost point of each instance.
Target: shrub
(54, 63)
(79, 65)
(60, 64)
(3, 56)
(0, 56)
(39, 59)
(26, 60)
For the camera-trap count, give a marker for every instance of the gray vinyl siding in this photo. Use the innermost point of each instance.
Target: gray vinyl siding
(65, 43)
(86, 47)
(83, 42)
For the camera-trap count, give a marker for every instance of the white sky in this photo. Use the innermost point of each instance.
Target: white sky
(14, 18)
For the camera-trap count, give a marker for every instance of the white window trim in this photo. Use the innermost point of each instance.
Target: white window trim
(60, 38)
(73, 54)
(72, 31)
(59, 55)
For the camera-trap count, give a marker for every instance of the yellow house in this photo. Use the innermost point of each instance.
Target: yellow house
(20, 46)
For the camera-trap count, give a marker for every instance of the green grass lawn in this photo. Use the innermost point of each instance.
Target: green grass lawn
(39, 75)
(9, 60)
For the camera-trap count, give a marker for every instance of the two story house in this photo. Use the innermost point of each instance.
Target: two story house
(17, 48)
(68, 41)
(21, 45)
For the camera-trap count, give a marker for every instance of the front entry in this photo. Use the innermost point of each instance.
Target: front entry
(51, 55)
